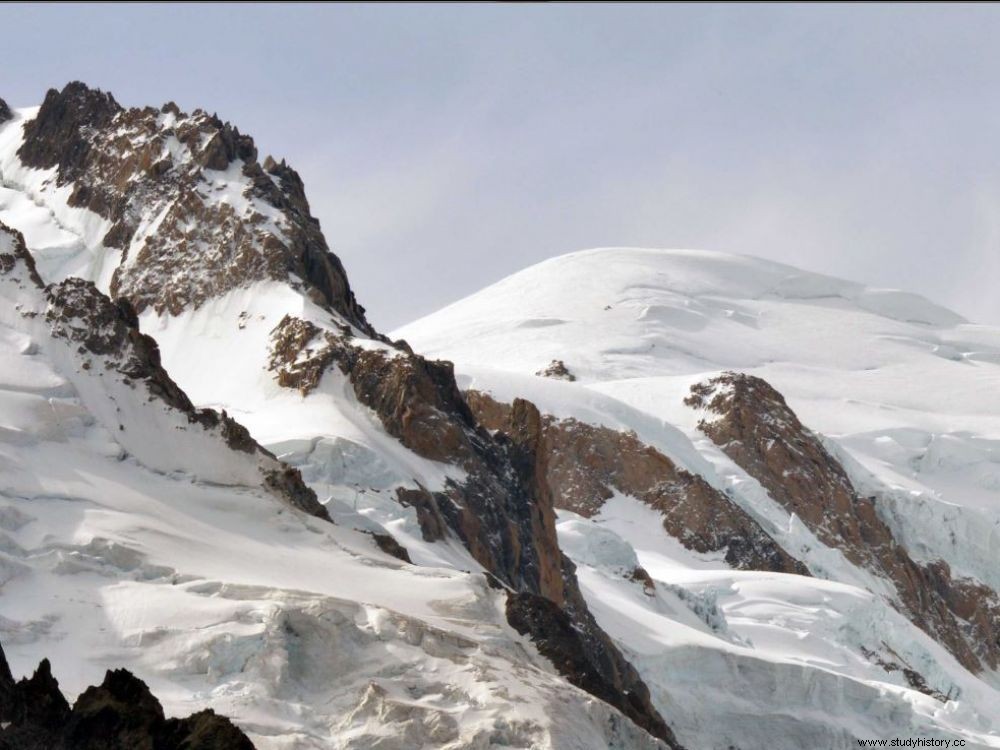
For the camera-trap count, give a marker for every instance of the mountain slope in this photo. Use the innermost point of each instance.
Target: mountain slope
(590, 569)
(173, 215)
(202, 576)
(618, 337)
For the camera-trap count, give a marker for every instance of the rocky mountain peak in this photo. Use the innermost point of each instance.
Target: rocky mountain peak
(56, 137)
(186, 201)
(5, 112)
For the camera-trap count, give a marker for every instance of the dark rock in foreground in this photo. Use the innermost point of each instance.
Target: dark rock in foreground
(119, 714)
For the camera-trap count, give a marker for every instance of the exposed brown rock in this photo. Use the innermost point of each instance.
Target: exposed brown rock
(79, 312)
(502, 514)
(640, 575)
(120, 714)
(493, 512)
(300, 353)
(286, 482)
(418, 403)
(388, 544)
(19, 257)
(581, 465)
(118, 162)
(754, 426)
(433, 527)
(557, 369)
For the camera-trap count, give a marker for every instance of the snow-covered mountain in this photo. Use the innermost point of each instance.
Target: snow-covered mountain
(585, 534)
(877, 470)
(159, 535)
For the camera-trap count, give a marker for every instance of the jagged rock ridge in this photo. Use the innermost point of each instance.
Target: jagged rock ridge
(154, 175)
(119, 714)
(497, 513)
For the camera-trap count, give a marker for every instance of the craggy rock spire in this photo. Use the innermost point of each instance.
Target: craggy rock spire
(120, 714)
(57, 136)
(132, 165)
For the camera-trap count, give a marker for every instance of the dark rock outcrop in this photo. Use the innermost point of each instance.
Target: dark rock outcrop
(388, 544)
(119, 714)
(753, 425)
(5, 112)
(500, 512)
(57, 136)
(418, 403)
(33, 700)
(580, 466)
(558, 637)
(79, 313)
(556, 369)
(15, 260)
(131, 165)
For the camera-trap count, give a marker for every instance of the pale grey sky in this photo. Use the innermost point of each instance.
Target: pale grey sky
(446, 146)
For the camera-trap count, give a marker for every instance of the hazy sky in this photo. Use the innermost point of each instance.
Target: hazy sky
(444, 146)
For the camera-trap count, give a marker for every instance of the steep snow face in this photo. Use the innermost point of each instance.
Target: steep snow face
(906, 395)
(131, 535)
